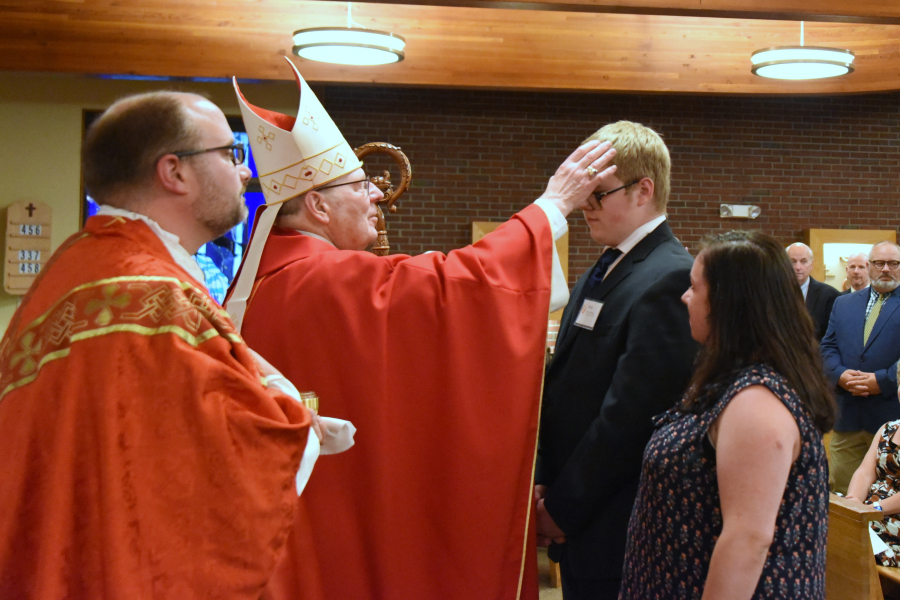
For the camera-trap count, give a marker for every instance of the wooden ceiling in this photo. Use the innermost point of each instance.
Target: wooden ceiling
(688, 46)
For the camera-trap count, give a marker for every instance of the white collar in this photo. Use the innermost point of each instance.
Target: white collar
(316, 235)
(632, 240)
(804, 287)
(171, 241)
(640, 233)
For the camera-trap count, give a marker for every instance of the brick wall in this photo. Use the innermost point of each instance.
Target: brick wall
(481, 156)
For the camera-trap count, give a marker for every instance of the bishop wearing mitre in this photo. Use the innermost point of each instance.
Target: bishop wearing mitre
(437, 359)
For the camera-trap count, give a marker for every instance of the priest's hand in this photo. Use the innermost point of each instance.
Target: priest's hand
(547, 529)
(579, 175)
(316, 424)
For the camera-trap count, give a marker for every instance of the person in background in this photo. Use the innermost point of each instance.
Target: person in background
(143, 456)
(819, 296)
(733, 500)
(857, 273)
(861, 350)
(876, 483)
(624, 354)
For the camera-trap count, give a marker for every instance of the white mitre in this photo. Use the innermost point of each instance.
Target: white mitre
(293, 155)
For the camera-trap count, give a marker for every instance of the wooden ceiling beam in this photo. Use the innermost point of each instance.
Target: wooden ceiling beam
(446, 46)
(880, 12)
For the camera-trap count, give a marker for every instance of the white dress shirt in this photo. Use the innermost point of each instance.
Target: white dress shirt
(632, 240)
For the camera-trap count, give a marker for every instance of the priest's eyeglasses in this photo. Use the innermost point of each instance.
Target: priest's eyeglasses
(600, 195)
(891, 264)
(334, 185)
(238, 152)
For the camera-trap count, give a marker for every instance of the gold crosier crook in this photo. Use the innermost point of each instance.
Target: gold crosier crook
(383, 182)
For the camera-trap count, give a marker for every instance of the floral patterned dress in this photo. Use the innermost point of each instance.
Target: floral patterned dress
(887, 483)
(677, 516)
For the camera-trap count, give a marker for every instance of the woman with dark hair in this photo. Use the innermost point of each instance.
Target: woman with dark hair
(733, 501)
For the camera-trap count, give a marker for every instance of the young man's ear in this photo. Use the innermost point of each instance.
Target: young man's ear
(645, 189)
(170, 174)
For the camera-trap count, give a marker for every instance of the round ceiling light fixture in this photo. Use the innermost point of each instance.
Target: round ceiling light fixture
(801, 62)
(350, 45)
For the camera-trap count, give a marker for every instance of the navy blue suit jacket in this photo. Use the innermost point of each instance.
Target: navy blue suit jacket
(842, 349)
(819, 302)
(601, 392)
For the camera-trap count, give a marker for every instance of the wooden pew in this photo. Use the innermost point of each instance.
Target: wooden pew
(851, 572)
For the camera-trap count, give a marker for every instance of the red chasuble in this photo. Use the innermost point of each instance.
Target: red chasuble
(438, 362)
(142, 457)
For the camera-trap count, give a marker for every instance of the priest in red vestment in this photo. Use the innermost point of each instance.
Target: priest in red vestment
(436, 359)
(143, 455)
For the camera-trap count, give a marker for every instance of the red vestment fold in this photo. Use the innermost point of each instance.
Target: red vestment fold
(142, 455)
(438, 361)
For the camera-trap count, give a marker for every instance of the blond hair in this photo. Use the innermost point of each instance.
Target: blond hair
(640, 152)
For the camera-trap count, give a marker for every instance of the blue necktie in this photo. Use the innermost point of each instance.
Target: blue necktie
(607, 258)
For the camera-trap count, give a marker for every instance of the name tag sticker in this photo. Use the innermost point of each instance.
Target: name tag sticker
(588, 314)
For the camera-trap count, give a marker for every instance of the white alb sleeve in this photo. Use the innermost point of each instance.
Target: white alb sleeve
(559, 287)
(337, 434)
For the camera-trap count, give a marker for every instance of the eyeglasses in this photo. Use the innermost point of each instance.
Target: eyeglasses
(238, 152)
(879, 264)
(600, 195)
(334, 185)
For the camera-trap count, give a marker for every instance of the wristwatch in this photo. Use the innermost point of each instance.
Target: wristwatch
(877, 505)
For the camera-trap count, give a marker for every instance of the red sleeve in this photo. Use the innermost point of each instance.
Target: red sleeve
(437, 360)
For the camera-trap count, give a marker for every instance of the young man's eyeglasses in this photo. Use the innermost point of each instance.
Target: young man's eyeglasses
(334, 185)
(238, 152)
(892, 264)
(600, 195)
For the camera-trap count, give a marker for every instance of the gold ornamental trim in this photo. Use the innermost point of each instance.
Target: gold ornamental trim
(303, 160)
(139, 305)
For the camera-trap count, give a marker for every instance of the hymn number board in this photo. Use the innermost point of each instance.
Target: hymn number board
(27, 244)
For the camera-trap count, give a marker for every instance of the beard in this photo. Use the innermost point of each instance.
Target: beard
(221, 223)
(217, 209)
(883, 287)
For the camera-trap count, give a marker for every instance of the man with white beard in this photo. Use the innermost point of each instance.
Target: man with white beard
(860, 350)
